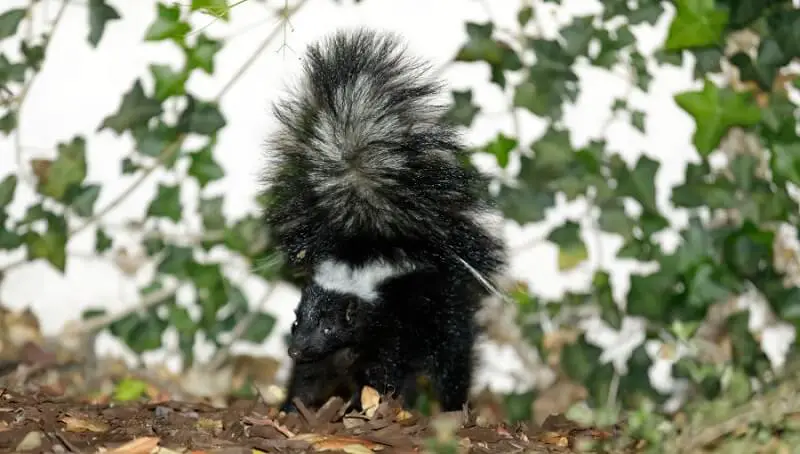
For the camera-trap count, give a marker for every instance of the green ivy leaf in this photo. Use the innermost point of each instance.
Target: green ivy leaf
(463, 111)
(135, 110)
(523, 204)
(639, 183)
(141, 333)
(571, 249)
(648, 295)
(552, 80)
(8, 122)
(66, 171)
(637, 120)
(167, 203)
(609, 311)
(743, 12)
(9, 239)
(260, 328)
(100, 14)
(204, 167)
(201, 55)
(247, 236)
(216, 8)
(580, 359)
(176, 261)
(613, 219)
(524, 15)
(501, 148)
(83, 203)
(785, 161)
(129, 167)
(180, 319)
(211, 213)
(577, 35)
(715, 111)
(482, 47)
(7, 189)
(168, 82)
(50, 246)
(168, 25)
(697, 23)
(201, 118)
(9, 22)
(783, 26)
(696, 248)
(102, 242)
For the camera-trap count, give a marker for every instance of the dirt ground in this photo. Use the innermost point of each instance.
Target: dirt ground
(38, 422)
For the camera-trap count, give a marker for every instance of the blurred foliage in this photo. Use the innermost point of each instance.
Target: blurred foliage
(744, 116)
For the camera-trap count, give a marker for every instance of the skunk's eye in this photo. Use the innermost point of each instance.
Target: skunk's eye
(294, 326)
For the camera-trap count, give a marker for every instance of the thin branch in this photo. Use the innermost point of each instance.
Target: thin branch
(23, 95)
(147, 302)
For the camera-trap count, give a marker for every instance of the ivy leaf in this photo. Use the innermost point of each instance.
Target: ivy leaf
(715, 111)
(211, 213)
(697, 23)
(648, 296)
(501, 148)
(50, 246)
(640, 183)
(168, 82)
(168, 25)
(102, 242)
(66, 171)
(9, 240)
(7, 189)
(176, 261)
(637, 120)
(167, 203)
(135, 110)
(613, 219)
(463, 111)
(201, 118)
(9, 22)
(202, 54)
(180, 319)
(577, 35)
(83, 203)
(100, 14)
(523, 204)
(580, 359)
(784, 161)
(216, 8)
(204, 167)
(783, 26)
(482, 47)
(609, 311)
(260, 328)
(8, 122)
(743, 12)
(571, 249)
(703, 289)
(524, 15)
(247, 236)
(129, 167)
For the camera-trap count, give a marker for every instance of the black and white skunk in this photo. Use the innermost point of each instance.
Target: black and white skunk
(368, 193)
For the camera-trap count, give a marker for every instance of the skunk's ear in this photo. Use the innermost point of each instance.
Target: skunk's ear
(350, 313)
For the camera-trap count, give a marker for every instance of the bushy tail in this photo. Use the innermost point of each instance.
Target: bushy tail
(361, 148)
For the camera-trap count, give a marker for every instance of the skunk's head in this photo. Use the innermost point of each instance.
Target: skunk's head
(326, 322)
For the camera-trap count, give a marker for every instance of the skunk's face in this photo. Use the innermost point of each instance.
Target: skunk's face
(325, 323)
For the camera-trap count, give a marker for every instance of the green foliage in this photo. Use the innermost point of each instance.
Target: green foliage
(728, 245)
(158, 114)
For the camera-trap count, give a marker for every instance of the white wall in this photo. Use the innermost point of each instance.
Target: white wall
(80, 85)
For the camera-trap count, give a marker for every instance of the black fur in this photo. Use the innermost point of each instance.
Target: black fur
(363, 168)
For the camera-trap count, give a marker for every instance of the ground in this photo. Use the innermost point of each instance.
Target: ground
(36, 421)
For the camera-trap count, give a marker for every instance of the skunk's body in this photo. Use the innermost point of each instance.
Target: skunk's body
(368, 193)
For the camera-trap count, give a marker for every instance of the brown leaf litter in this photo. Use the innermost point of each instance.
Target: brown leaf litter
(38, 422)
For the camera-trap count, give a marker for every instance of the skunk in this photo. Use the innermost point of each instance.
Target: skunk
(368, 193)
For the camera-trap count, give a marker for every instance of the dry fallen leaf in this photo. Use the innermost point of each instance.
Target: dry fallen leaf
(333, 442)
(31, 441)
(74, 424)
(144, 445)
(369, 401)
(403, 415)
(213, 425)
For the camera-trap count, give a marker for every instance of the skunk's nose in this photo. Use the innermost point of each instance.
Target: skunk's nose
(294, 352)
